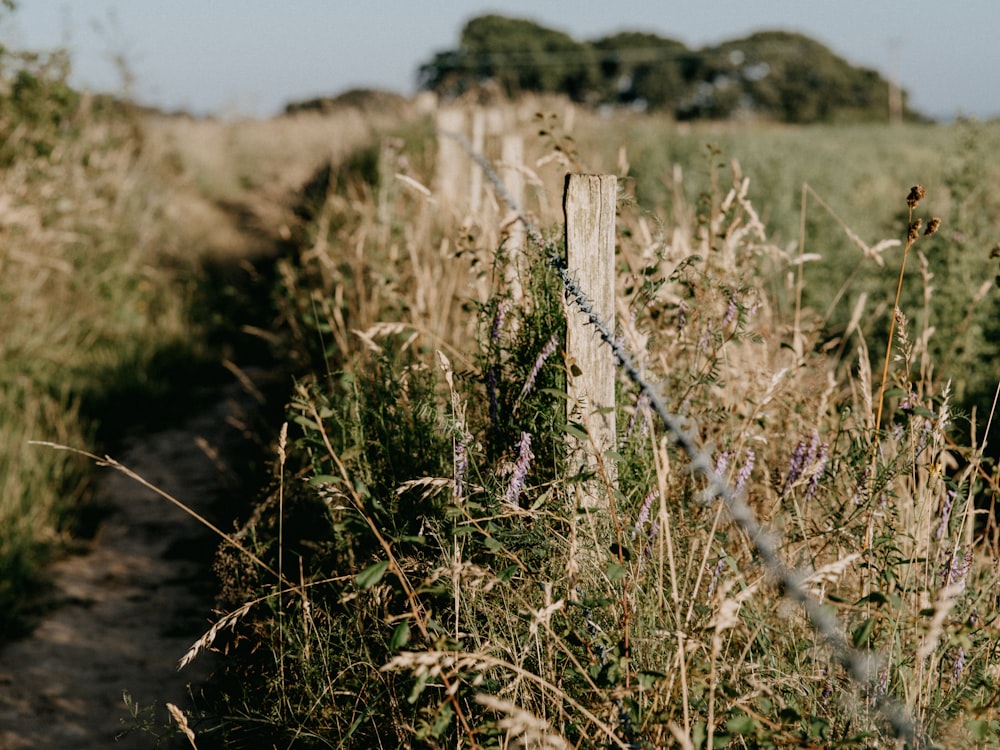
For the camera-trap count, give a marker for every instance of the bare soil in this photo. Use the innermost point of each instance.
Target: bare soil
(123, 611)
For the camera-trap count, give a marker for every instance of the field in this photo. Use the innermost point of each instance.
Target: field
(428, 561)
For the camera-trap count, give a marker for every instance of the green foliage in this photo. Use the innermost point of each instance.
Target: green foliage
(783, 76)
(94, 331)
(520, 55)
(773, 75)
(452, 586)
(37, 103)
(639, 67)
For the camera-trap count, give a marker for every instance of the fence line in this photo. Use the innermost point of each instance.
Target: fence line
(862, 667)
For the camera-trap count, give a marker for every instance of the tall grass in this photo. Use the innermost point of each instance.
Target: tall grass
(95, 326)
(440, 584)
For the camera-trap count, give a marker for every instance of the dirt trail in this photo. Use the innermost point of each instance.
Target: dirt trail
(125, 610)
(122, 612)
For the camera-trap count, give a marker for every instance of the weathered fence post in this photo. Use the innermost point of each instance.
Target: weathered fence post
(589, 207)
(451, 174)
(511, 160)
(478, 142)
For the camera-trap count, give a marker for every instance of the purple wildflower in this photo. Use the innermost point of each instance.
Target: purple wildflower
(731, 311)
(861, 490)
(908, 401)
(956, 568)
(550, 347)
(802, 457)
(644, 509)
(881, 686)
(746, 469)
(703, 341)
(498, 320)
(654, 530)
(517, 479)
(722, 462)
(820, 465)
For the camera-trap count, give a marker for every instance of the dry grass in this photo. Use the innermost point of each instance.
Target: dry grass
(674, 636)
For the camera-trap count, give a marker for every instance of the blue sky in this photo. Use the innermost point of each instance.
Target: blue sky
(253, 56)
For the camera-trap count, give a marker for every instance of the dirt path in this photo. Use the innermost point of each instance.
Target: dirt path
(125, 610)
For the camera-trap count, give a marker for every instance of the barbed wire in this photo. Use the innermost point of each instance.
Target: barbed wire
(861, 666)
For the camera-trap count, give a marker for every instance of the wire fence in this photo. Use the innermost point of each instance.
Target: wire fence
(861, 666)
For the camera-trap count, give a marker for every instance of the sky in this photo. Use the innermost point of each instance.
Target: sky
(251, 57)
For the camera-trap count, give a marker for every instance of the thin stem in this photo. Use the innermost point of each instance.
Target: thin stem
(892, 331)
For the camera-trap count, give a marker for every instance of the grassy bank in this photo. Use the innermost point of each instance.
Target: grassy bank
(424, 574)
(421, 569)
(89, 307)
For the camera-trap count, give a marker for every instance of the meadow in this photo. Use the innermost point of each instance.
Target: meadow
(423, 571)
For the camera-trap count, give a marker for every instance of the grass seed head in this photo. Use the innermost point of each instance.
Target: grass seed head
(917, 193)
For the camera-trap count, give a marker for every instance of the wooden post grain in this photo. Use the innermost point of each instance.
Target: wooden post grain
(589, 207)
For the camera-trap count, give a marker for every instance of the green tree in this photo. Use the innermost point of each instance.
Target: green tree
(519, 54)
(636, 66)
(783, 76)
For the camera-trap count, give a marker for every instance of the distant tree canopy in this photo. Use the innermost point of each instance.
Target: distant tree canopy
(773, 74)
(520, 55)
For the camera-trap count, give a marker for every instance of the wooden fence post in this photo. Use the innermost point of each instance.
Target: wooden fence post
(589, 207)
(451, 174)
(512, 159)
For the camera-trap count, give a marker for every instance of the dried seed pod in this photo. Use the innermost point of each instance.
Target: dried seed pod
(917, 192)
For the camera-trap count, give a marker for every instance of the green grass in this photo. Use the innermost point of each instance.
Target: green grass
(424, 573)
(426, 596)
(96, 328)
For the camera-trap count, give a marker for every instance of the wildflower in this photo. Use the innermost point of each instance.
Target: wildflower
(932, 226)
(881, 686)
(817, 473)
(716, 573)
(682, 316)
(654, 530)
(706, 337)
(908, 402)
(955, 569)
(731, 311)
(722, 462)
(917, 193)
(914, 230)
(549, 348)
(746, 469)
(644, 509)
(802, 457)
(498, 320)
(524, 456)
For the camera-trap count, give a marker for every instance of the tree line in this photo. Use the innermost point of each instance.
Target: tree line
(777, 75)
